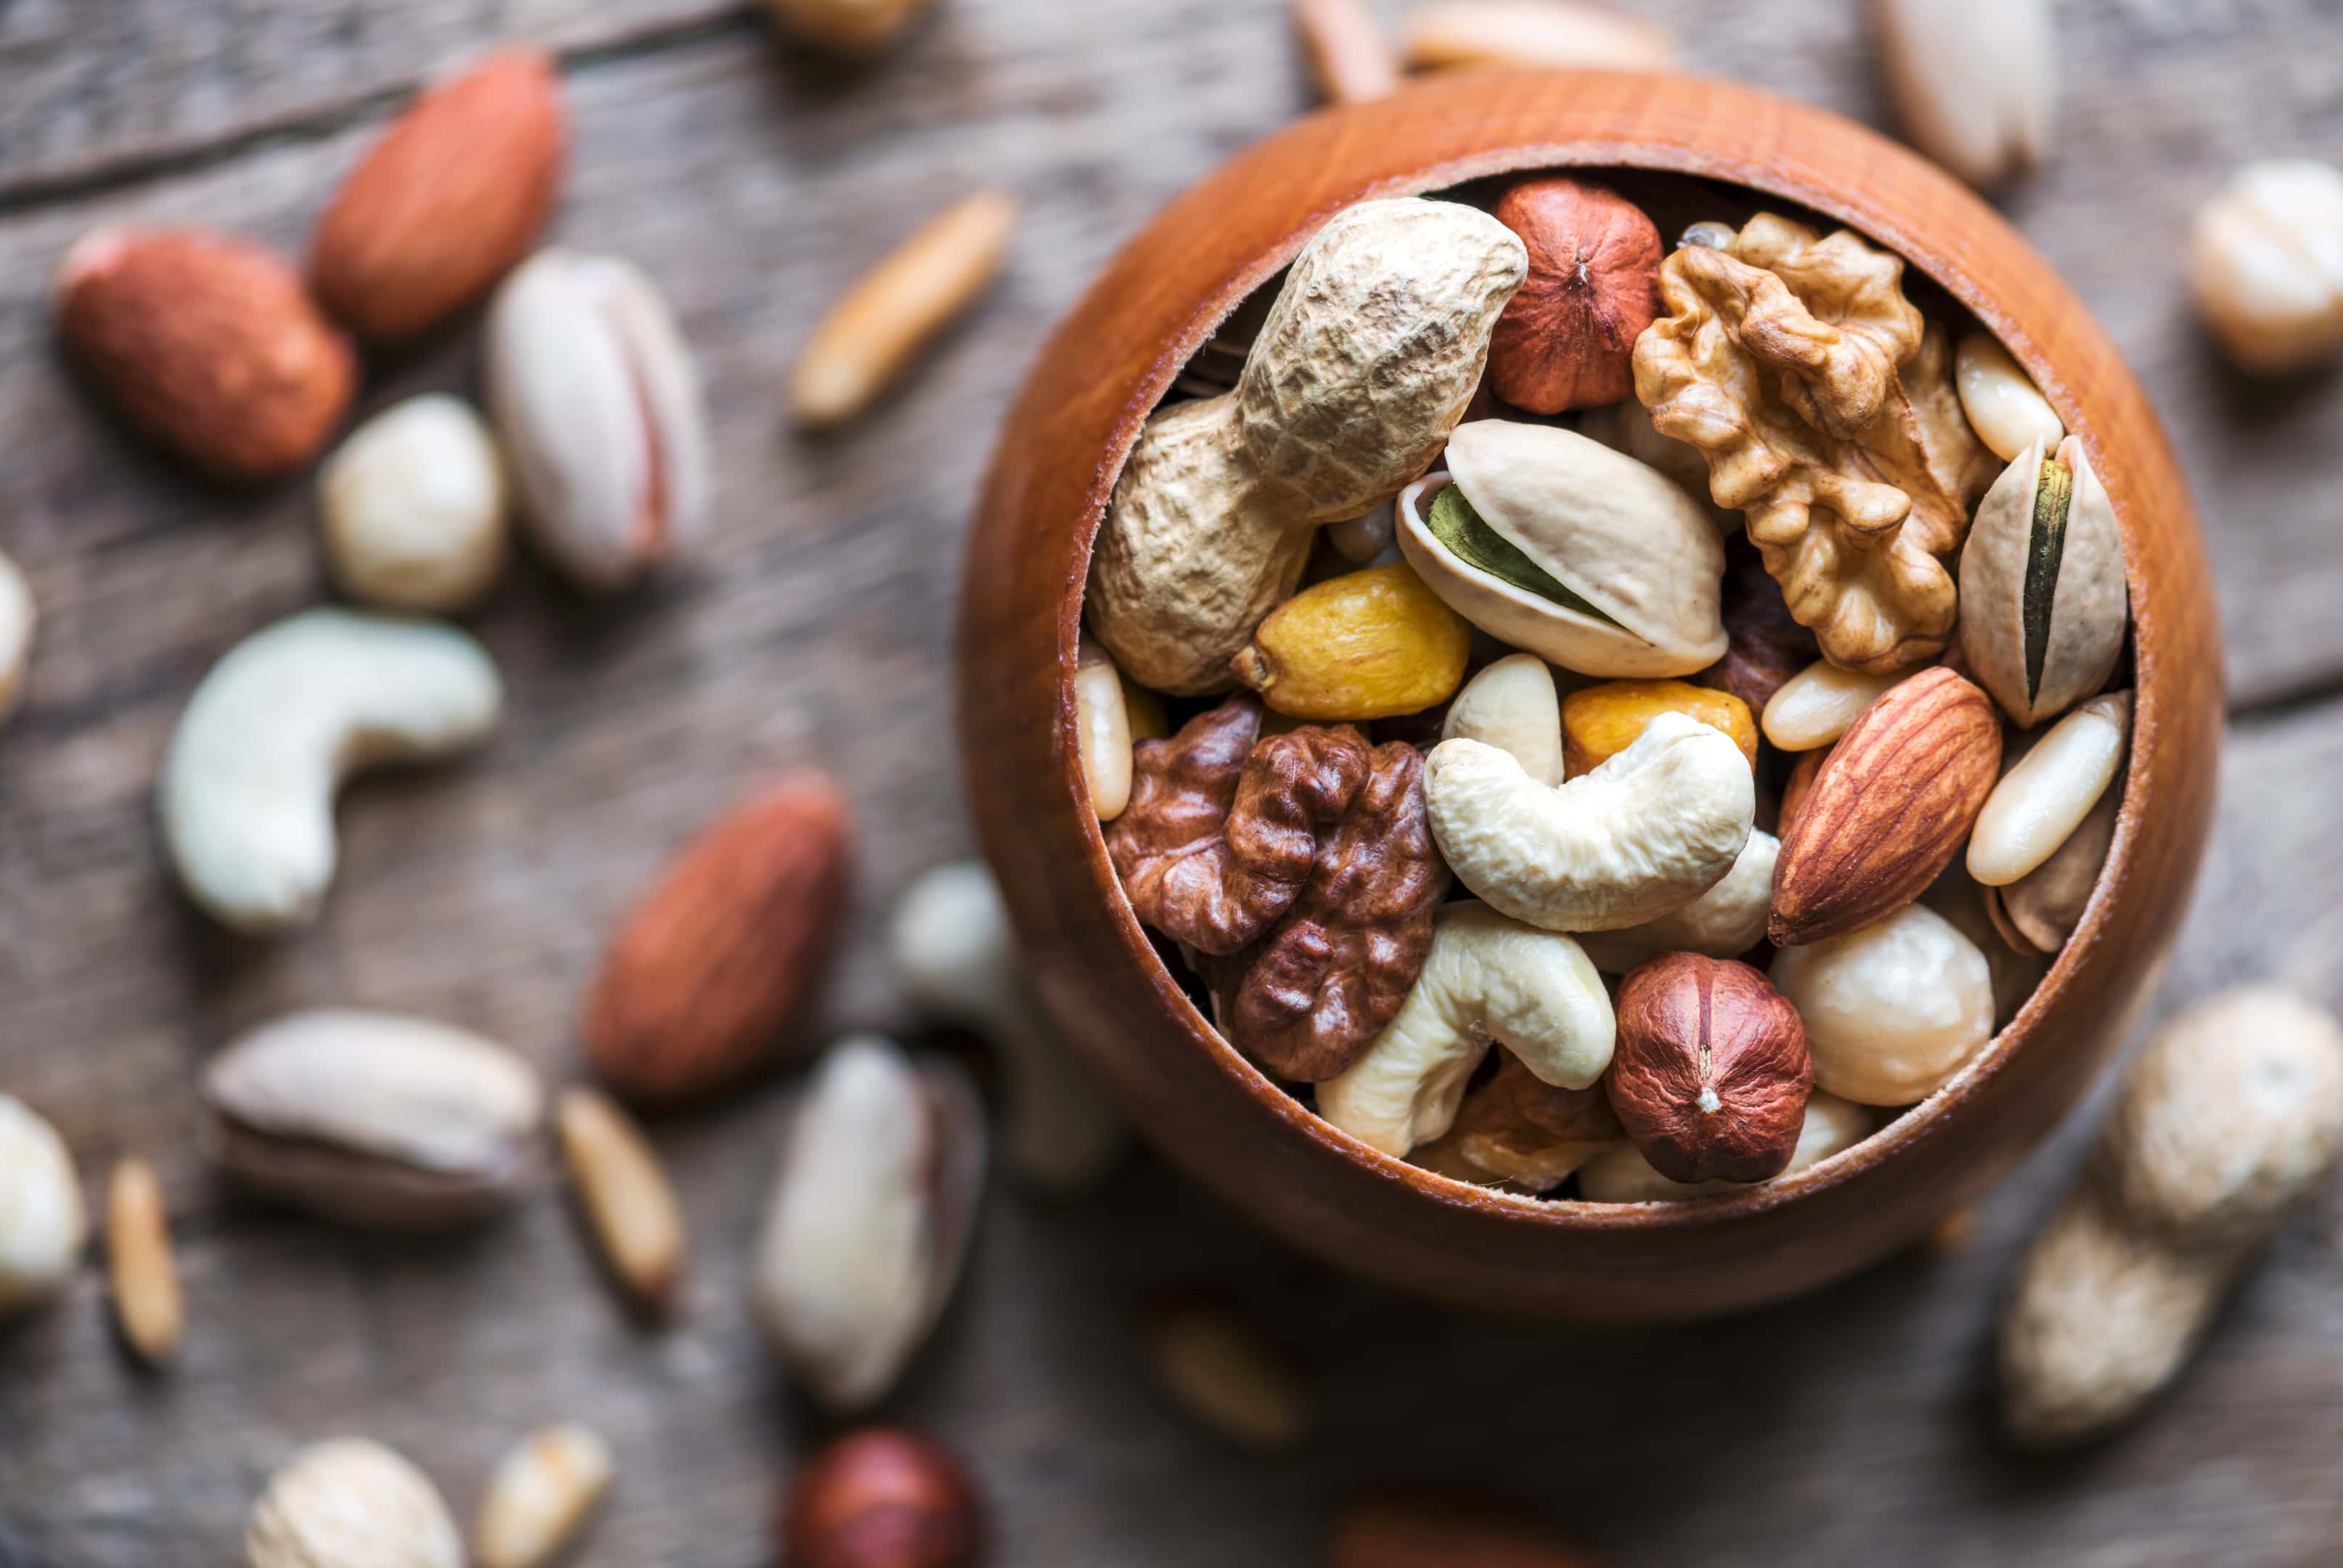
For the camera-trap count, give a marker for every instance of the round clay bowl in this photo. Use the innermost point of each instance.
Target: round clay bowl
(1200, 1100)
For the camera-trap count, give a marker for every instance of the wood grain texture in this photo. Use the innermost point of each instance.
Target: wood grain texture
(1844, 1429)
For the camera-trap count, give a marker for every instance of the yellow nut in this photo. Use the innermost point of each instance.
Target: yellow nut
(1600, 721)
(1372, 644)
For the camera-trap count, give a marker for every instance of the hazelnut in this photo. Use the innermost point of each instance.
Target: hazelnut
(1567, 338)
(882, 1498)
(1710, 1073)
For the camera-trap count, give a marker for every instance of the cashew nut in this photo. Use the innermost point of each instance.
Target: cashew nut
(2040, 802)
(1892, 1011)
(1621, 1174)
(17, 618)
(956, 954)
(1488, 978)
(1642, 836)
(1512, 706)
(1723, 922)
(247, 788)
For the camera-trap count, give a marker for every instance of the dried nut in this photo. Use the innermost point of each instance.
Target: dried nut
(1363, 539)
(374, 1119)
(1974, 85)
(139, 1265)
(540, 1496)
(350, 1502)
(1366, 361)
(1370, 644)
(1534, 1134)
(1565, 340)
(1556, 33)
(447, 202)
(2265, 265)
(700, 985)
(2004, 407)
(2232, 1116)
(413, 507)
(1173, 853)
(2044, 798)
(1489, 979)
(592, 387)
(1511, 705)
(2042, 586)
(1765, 646)
(954, 951)
(1888, 810)
(1723, 922)
(1216, 1369)
(852, 27)
(1892, 1010)
(1101, 730)
(1345, 50)
(1621, 1174)
(1642, 836)
(1567, 549)
(1711, 1075)
(246, 795)
(1598, 722)
(866, 339)
(1799, 785)
(1709, 233)
(624, 1195)
(1813, 708)
(2045, 905)
(1824, 402)
(42, 1224)
(879, 1498)
(18, 617)
(207, 345)
(869, 1219)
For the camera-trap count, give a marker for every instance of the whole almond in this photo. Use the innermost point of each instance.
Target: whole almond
(702, 979)
(1888, 810)
(207, 345)
(447, 202)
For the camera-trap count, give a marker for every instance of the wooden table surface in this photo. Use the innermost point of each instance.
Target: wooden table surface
(751, 181)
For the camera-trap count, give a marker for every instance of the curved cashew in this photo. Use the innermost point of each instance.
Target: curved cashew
(247, 788)
(1723, 922)
(1512, 706)
(1488, 979)
(1644, 834)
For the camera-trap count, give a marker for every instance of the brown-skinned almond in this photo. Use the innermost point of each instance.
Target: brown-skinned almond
(1888, 810)
(1710, 1073)
(449, 200)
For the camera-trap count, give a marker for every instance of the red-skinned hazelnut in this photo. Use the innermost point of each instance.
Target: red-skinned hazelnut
(1710, 1073)
(1567, 338)
(882, 1498)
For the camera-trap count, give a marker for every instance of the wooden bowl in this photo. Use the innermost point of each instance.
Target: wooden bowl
(1198, 1099)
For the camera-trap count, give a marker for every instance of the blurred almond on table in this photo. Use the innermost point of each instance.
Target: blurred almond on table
(1564, 34)
(139, 1265)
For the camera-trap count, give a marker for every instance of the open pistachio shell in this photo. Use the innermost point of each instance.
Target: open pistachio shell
(1570, 551)
(2042, 586)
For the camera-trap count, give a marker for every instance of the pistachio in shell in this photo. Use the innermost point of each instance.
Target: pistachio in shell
(2042, 586)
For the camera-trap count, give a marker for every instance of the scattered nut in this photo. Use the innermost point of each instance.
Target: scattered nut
(2042, 908)
(350, 1502)
(852, 27)
(1369, 644)
(1533, 1134)
(1101, 730)
(246, 795)
(865, 341)
(413, 507)
(1511, 705)
(1889, 809)
(447, 200)
(625, 1195)
(1621, 1174)
(1556, 33)
(1388, 1532)
(1711, 1075)
(2004, 407)
(1723, 922)
(1567, 549)
(1216, 1369)
(956, 955)
(2040, 802)
(2266, 266)
(1598, 722)
(374, 1119)
(879, 1498)
(1210, 522)
(1489, 979)
(1345, 50)
(1973, 84)
(209, 346)
(42, 1222)
(869, 1219)
(699, 984)
(540, 1496)
(592, 387)
(1892, 1011)
(1565, 339)
(2232, 1115)
(18, 617)
(1813, 708)
(145, 1276)
(1642, 836)
(2042, 586)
